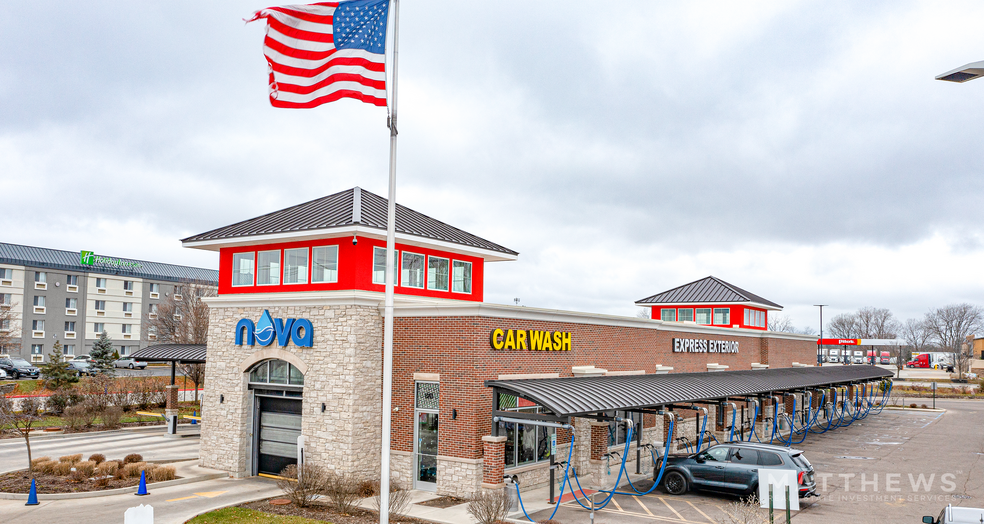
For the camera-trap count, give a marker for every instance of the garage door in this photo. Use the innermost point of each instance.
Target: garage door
(276, 438)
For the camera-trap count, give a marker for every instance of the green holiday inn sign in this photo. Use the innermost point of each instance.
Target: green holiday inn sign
(90, 258)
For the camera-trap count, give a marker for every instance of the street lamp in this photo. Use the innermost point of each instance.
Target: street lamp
(820, 342)
(963, 73)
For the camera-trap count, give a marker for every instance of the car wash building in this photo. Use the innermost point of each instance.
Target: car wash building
(295, 349)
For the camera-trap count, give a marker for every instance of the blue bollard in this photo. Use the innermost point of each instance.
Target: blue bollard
(32, 497)
(194, 413)
(142, 490)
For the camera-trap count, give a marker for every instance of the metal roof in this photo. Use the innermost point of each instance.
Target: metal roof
(42, 257)
(191, 353)
(586, 395)
(709, 289)
(351, 207)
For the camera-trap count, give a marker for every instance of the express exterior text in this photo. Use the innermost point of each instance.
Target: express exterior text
(693, 345)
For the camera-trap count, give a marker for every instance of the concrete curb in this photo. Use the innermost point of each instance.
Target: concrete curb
(111, 492)
(928, 410)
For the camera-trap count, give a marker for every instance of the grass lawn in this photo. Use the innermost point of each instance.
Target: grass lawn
(29, 387)
(247, 515)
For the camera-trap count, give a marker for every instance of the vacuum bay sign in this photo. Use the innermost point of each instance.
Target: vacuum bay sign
(530, 340)
(299, 330)
(695, 345)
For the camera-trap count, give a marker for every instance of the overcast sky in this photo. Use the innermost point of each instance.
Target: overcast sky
(800, 150)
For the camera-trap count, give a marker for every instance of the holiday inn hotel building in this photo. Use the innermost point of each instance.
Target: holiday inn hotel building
(70, 297)
(296, 336)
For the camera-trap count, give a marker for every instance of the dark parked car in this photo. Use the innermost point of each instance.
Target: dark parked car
(733, 468)
(18, 367)
(82, 367)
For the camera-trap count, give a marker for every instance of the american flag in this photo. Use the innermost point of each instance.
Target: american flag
(322, 52)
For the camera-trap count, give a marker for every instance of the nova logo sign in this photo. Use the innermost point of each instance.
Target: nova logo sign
(300, 331)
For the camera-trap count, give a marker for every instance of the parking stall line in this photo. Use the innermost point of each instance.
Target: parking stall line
(637, 499)
(709, 519)
(617, 506)
(667, 504)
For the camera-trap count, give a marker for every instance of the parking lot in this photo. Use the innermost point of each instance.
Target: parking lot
(893, 467)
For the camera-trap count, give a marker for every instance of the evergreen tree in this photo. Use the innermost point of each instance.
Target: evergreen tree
(102, 354)
(57, 374)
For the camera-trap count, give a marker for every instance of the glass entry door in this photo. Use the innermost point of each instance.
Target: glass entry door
(425, 436)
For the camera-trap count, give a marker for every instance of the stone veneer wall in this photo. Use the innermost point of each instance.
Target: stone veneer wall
(343, 370)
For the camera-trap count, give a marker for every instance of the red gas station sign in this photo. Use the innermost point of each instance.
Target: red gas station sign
(839, 342)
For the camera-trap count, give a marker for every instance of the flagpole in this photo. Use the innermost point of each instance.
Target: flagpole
(384, 473)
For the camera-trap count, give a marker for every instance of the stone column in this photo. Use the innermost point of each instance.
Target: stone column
(493, 461)
(171, 409)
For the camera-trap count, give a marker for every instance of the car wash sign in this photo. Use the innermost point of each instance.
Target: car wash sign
(530, 340)
(299, 331)
(697, 345)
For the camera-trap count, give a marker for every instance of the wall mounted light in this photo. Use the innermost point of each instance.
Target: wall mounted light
(323, 407)
(221, 399)
(454, 414)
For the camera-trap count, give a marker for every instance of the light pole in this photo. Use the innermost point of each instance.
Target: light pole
(963, 73)
(820, 342)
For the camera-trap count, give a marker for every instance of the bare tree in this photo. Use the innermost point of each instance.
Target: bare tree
(876, 322)
(9, 329)
(784, 324)
(183, 321)
(949, 327)
(917, 337)
(644, 312)
(23, 421)
(844, 325)
(196, 374)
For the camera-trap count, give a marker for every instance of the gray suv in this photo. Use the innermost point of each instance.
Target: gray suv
(733, 468)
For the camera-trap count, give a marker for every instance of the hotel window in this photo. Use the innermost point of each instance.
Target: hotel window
(40, 276)
(667, 315)
(461, 276)
(6, 273)
(685, 315)
(72, 280)
(324, 264)
(153, 308)
(155, 288)
(412, 270)
(4, 326)
(437, 273)
(127, 329)
(128, 307)
(68, 350)
(101, 283)
(100, 305)
(37, 325)
(525, 444)
(268, 270)
(124, 351)
(39, 301)
(127, 285)
(703, 315)
(99, 327)
(71, 303)
(379, 264)
(295, 266)
(5, 299)
(722, 316)
(243, 265)
(70, 326)
(37, 349)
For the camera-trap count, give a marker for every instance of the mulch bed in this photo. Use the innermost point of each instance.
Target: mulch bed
(20, 482)
(442, 502)
(321, 512)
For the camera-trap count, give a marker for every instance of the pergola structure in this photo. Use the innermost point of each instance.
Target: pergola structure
(175, 354)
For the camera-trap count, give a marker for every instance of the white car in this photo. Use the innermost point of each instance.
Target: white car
(127, 362)
(3, 374)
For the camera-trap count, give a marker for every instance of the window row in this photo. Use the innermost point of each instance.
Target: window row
(290, 266)
(721, 315)
(754, 317)
(442, 273)
(68, 350)
(276, 372)
(525, 444)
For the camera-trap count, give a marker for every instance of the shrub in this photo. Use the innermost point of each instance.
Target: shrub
(924, 406)
(399, 498)
(131, 470)
(45, 467)
(119, 395)
(912, 405)
(112, 417)
(314, 481)
(107, 469)
(161, 473)
(98, 458)
(342, 491)
(83, 470)
(745, 511)
(35, 462)
(70, 458)
(57, 402)
(61, 468)
(82, 415)
(132, 457)
(489, 506)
